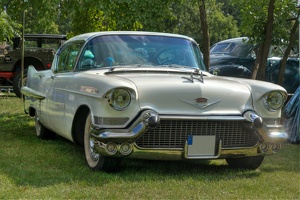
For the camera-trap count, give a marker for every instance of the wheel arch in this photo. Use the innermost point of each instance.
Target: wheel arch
(78, 124)
(37, 63)
(31, 111)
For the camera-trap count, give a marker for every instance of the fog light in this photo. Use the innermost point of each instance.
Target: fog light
(264, 147)
(125, 148)
(276, 148)
(111, 148)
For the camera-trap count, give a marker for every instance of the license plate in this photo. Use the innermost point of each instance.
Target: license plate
(199, 145)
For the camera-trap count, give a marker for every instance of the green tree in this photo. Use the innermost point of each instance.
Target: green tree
(290, 38)
(180, 16)
(187, 20)
(150, 15)
(205, 32)
(268, 19)
(8, 27)
(221, 25)
(41, 16)
(83, 18)
(229, 9)
(289, 47)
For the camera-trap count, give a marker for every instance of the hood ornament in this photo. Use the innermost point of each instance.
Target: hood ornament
(192, 77)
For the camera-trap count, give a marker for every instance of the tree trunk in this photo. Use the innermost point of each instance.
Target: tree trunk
(286, 53)
(205, 32)
(258, 54)
(267, 43)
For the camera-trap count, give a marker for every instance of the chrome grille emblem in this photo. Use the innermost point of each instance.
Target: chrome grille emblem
(199, 102)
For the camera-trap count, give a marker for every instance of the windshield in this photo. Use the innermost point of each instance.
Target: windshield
(149, 50)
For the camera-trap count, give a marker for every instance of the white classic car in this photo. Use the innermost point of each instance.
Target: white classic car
(148, 95)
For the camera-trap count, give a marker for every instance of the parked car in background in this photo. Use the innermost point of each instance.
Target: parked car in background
(147, 95)
(39, 51)
(235, 57)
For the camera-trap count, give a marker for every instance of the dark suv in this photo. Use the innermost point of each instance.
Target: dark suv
(39, 52)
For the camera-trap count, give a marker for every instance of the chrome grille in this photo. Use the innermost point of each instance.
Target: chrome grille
(173, 134)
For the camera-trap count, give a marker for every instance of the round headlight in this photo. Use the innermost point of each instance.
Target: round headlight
(119, 99)
(273, 101)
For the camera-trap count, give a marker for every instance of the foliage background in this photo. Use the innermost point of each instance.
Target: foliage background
(225, 19)
(77, 16)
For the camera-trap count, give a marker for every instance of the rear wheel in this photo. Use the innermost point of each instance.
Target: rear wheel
(42, 132)
(17, 83)
(252, 162)
(94, 160)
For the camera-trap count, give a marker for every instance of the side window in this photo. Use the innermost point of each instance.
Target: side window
(87, 60)
(67, 58)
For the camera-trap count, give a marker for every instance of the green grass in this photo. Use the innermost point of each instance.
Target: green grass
(34, 169)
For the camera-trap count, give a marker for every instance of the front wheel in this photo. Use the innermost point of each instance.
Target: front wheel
(252, 162)
(94, 160)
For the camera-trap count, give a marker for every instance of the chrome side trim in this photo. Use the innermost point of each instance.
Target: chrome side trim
(32, 93)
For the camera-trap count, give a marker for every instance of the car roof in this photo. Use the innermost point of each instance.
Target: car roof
(241, 49)
(44, 36)
(236, 40)
(88, 36)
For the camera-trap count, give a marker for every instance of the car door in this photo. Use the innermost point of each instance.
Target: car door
(56, 96)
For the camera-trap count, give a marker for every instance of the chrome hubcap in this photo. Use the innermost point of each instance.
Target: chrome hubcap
(94, 154)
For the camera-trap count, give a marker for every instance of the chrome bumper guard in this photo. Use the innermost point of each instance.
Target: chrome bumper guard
(148, 119)
(267, 133)
(121, 142)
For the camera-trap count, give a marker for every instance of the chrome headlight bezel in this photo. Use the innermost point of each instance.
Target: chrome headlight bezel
(274, 100)
(119, 98)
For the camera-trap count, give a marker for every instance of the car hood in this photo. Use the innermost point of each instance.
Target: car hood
(173, 93)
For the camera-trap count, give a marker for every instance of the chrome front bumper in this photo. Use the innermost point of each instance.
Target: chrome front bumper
(180, 154)
(121, 142)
